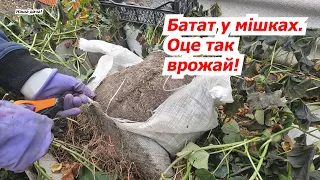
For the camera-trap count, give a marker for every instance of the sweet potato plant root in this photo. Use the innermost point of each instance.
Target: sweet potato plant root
(143, 90)
(90, 141)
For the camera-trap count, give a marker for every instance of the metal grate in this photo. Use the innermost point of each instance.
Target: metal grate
(147, 11)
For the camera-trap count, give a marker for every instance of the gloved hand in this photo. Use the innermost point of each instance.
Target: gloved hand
(57, 85)
(25, 136)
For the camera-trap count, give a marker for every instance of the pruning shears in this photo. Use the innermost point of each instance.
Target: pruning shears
(49, 107)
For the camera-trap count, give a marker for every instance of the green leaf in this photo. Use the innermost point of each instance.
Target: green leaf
(188, 149)
(296, 88)
(315, 89)
(251, 71)
(237, 178)
(247, 42)
(312, 168)
(315, 175)
(286, 117)
(258, 52)
(14, 28)
(271, 87)
(277, 138)
(266, 133)
(275, 165)
(251, 116)
(230, 109)
(283, 177)
(301, 157)
(304, 45)
(86, 174)
(271, 40)
(302, 114)
(231, 138)
(63, 16)
(230, 128)
(28, 19)
(259, 79)
(259, 115)
(243, 89)
(259, 100)
(198, 159)
(313, 93)
(215, 10)
(9, 175)
(222, 172)
(287, 43)
(204, 174)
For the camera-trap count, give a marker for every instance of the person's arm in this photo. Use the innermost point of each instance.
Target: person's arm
(23, 74)
(16, 65)
(25, 136)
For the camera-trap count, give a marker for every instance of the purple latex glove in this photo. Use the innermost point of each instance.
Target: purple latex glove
(57, 85)
(25, 136)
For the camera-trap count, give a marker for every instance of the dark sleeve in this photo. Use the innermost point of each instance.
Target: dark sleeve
(16, 65)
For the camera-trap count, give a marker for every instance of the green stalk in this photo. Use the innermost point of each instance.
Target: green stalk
(281, 132)
(243, 153)
(74, 121)
(310, 89)
(307, 133)
(56, 20)
(314, 103)
(67, 32)
(230, 144)
(162, 40)
(315, 109)
(34, 40)
(315, 49)
(172, 164)
(74, 153)
(256, 170)
(18, 38)
(37, 166)
(317, 129)
(238, 77)
(235, 146)
(263, 145)
(230, 148)
(69, 145)
(180, 166)
(272, 59)
(186, 175)
(225, 156)
(46, 43)
(43, 40)
(261, 161)
(289, 170)
(316, 79)
(253, 44)
(280, 71)
(45, 24)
